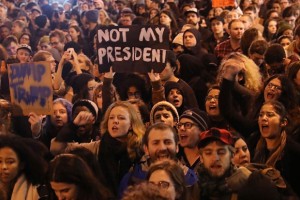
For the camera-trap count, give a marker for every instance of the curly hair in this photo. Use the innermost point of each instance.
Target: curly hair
(252, 77)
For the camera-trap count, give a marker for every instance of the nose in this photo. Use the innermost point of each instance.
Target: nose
(216, 157)
(162, 146)
(3, 166)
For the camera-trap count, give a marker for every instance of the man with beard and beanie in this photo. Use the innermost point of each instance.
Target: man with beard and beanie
(218, 178)
(159, 142)
(191, 123)
(76, 130)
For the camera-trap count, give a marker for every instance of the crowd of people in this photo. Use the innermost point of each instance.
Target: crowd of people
(221, 121)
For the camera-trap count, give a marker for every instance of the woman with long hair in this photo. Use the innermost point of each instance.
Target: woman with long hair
(22, 169)
(122, 130)
(71, 178)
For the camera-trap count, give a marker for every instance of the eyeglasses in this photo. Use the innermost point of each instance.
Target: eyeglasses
(162, 184)
(210, 97)
(276, 87)
(186, 125)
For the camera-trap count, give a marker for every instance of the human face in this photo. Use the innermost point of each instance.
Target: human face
(65, 191)
(15, 29)
(3, 13)
(164, 116)
(161, 145)
(175, 98)
(284, 4)
(153, 13)
(83, 131)
(217, 27)
(44, 46)
(99, 100)
(212, 103)
(188, 137)
(189, 40)
(216, 158)
(257, 58)
(273, 90)
(133, 93)
(10, 165)
(236, 30)
(288, 32)
(218, 11)
(285, 42)
(4, 32)
(242, 154)
(12, 49)
(52, 63)
(269, 122)
(274, 15)
(102, 16)
(290, 20)
(251, 14)
(23, 55)
(74, 34)
(230, 16)
(167, 73)
(60, 116)
(91, 85)
(126, 21)
(55, 43)
(192, 18)
(165, 19)
(159, 176)
(25, 39)
(119, 122)
(246, 22)
(272, 27)
(276, 7)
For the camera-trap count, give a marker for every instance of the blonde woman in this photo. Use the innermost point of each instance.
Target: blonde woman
(122, 130)
(249, 77)
(104, 18)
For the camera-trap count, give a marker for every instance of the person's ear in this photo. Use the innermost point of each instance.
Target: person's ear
(146, 149)
(284, 122)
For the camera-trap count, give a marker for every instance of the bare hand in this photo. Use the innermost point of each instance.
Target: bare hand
(84, 118)
(153, 76)
(35, 122)
(232, 68)
(109, 74)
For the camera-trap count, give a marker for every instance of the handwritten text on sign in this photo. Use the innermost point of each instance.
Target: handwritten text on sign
(31, 87)
(136, 48)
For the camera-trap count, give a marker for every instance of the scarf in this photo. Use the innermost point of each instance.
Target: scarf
(114, 161)
(214, 187)
(23, 190)
(262, 156)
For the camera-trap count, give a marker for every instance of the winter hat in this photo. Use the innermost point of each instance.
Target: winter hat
(198, 116)
(216, 134)
(80, 81)
(169, 85)
(87, 103)
(178, 39)
(164, 104)
(24, 46)
(41, 21)
(92, 16)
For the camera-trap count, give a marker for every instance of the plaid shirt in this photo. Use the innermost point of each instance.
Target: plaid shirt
(224, 48)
